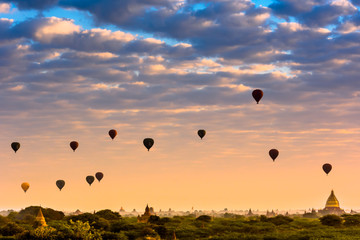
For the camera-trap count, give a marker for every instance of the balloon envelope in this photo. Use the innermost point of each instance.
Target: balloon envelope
(148, 143)
(201, 133)
(15, 146)
(90, 179)
(112, 133)
(273, 154)
(99, 176)
(25, 186)
(327, 168)
(60, 184)
(74, 145)
(257, 95)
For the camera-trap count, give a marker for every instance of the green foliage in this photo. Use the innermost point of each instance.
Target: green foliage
(263, 218)
(154, 219)
(108, 214)
(149, 232)
(331, 220)
(44, 233)
(11, 229)
(161, 231)
(230, 215)
(352, 220)
(3, 220)
(113, 236)
(122, 225)
(74, 230)
(204, 218)
(93, 219)
(280, 219)
(32, 211)
(83, 230)
(85, 217)
(108, 225)
(12, 215)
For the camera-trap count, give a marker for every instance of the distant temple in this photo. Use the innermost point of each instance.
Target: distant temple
(250, 213)
(270, 214)
(122, 210)
(77, 212)
(151, 210)
(145, 217)
(40, 220)
(332, 206)
(312, 214)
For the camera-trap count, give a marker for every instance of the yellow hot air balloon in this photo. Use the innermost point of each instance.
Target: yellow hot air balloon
(25, 186)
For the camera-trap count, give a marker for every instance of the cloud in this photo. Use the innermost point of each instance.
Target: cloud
(203, 28)
(355, 2)
(55, 28)
(34, 4)
(317, 13)
(286, 8)
(4, 7)
(100, 66)
(328, 14)
(117, 12)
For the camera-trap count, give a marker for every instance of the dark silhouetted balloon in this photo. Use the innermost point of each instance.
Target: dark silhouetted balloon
(60, 184)
(90, 179)
(273, 154)
(148, 143)
(112, 133)
(327, 168)
(15, 146)
(99, 176)
(201, 133)
(74, 145)
(257, 95)
(25, 186)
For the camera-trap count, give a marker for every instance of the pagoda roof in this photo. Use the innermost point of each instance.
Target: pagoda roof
(332, 201)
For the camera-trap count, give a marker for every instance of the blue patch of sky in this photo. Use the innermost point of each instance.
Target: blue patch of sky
(258, 3)
(80, 18)
(199, 6)
(19, 16)
(264, 3)
(193, 8)
(151, 9)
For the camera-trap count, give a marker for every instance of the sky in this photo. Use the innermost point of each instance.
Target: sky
(71, 70)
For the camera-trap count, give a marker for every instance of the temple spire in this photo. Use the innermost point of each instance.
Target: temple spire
(332, 201)
(40, 218)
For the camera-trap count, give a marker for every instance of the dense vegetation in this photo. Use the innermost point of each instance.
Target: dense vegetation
(107, 224)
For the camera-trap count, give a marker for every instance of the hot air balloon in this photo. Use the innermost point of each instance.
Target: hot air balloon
(15, 146)
(273, 154)
(90, 179)
(112, 133)
(257, 95)
(74, 145)
(25, 186)
(99, 176)
(148, 143)
(201, 133)
(327, 168)
(60, 184)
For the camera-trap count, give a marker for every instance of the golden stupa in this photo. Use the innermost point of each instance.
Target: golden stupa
(332, 201)
(40, 220)
(332, 206)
